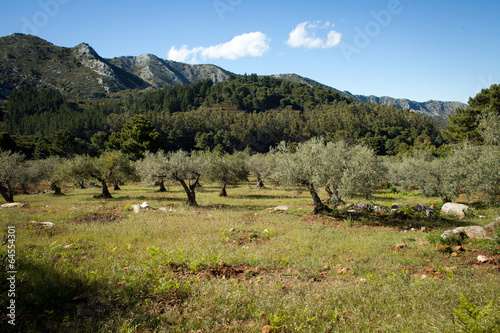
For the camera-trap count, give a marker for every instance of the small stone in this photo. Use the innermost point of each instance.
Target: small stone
(267, 329)
(483, 259)
(454, 254)
(222, 264)
(343, 271)
(326, 267)
(401, 246)
(423, 229)
(458, 249)
(44, 224)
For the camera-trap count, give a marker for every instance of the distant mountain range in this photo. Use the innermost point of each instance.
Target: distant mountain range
(81, 72)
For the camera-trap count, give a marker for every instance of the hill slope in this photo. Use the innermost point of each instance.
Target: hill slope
(431, 108)
(81, 72)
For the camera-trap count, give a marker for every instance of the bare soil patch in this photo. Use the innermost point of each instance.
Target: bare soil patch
(97, 218)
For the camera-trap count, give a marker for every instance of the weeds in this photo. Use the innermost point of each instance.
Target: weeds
(231, 267)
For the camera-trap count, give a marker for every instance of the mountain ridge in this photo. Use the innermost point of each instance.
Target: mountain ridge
(80, 71)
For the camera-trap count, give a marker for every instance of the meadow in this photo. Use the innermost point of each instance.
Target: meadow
(233, 265)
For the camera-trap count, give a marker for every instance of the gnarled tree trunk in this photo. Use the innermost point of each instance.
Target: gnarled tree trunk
(162, 186)
(57, 189)
(319, 206)
(190, 190)
(260, 183)
(6, 192)
(223, 192)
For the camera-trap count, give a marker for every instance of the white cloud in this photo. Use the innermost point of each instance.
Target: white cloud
(304, 35)
(253, 44)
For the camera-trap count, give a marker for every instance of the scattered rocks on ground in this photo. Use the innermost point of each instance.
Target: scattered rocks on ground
(483, 259)
(455, 209)
(147, 206)
(343, 271)
(429, 212)
(13, 205)
(280, 208)
(362, 207)
(44, 224)
(471, 232)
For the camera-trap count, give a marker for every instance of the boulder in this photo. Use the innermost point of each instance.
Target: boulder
(455, 209)
(471, 232)
(493, 225)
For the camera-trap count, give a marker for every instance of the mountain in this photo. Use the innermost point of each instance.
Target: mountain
(431, 108)
(159, 73)
(78, 71)
(81, 72)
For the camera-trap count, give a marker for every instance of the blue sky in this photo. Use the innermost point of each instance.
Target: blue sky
(416, 49)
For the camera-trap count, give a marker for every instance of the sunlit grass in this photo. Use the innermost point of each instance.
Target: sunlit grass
(232, 265)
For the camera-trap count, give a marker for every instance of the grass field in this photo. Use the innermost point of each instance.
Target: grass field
(231, 265)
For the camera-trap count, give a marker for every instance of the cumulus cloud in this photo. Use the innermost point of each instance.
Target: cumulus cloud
(253, 44)
(304, 35)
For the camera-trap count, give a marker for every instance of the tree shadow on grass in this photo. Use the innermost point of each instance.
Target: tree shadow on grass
(402, 220)
(50, 299)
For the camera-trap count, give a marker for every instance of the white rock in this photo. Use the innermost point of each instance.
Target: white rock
(12, 205)
(483, 259)
(44, 224)
(455, 209)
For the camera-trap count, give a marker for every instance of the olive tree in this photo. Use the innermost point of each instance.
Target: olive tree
(11, 168)
(363, 170)
(224, 168)
(305, 166)
(477, 170)
(187, 170)
(258, 165)
(341, 169)
(111, 167)
(154, 168)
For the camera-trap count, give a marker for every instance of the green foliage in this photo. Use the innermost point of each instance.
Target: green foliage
(11, 173)
(137, 136)
(464, 124)
(477, 319)
(6, 142)
(253, 112)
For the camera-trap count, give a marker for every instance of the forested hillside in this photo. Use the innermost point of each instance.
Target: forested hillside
(244, 111)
